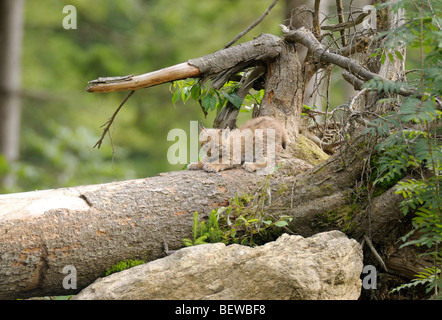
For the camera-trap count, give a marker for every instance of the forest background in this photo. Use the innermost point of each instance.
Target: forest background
(61, 121)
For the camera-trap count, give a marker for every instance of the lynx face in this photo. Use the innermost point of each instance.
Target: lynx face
(253, 145)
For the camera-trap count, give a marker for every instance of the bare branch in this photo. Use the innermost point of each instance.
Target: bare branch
(354, 81)
(126, 83)
(316, 25)
(319, 54)
(348, 24)
(111, 120)
(340, 10)
(375, 253)
(306, 38)
(253, 25)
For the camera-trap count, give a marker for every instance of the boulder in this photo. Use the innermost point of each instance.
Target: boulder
(324, 266)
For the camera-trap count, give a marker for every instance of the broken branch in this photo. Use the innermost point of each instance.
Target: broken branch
(242, 55)
(126, 83)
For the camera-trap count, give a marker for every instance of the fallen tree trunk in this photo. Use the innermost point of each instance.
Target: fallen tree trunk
(94, 227)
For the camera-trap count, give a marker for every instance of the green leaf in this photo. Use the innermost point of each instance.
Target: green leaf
(176, 96)
(390, 57)
(252, 221)
(382, 58)
(209, 102)
(185, 94)
(234, 98)
(187, 242)
(281, 223)
(195, 91)
(200, 240)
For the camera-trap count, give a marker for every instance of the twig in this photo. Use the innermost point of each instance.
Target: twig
(376, 254)
(111, 120)
(353, 101)
(348, 24)
(253, 25)
(340, 10)
(165, 249)
(353, 80)
(316, 26)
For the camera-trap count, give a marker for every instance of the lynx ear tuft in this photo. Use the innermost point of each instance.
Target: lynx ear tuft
(202, 127)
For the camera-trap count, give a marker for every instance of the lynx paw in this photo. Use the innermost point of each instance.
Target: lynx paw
(249, 167)
(211, 168)
(194, 166)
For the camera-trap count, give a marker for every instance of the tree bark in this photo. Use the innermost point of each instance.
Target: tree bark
(284, 90)
(94, 227)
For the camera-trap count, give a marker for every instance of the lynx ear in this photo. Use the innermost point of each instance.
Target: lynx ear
(202, 128)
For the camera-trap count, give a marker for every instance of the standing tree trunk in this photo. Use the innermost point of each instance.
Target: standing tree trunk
(11, 34)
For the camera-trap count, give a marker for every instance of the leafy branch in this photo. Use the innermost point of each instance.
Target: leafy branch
(412, 135)
(210, 99)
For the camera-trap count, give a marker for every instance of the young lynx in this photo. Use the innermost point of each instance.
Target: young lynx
(253, 145)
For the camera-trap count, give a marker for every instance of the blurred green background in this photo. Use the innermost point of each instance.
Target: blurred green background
(61, 121)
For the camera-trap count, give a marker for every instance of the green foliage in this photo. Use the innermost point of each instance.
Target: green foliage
(211, 99)
(123, 265)
(248, 223)
(245, 221)
(429, 277)
(411, 135)
(205, 232)
(61, 121)
(238, 225)
(68, 297)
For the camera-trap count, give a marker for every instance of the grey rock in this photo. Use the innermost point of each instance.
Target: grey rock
(325, 266)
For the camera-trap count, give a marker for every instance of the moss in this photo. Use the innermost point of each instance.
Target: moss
(340, 219)
(242, 200)
(307, 150)
(122, 265)
(325, 189)
(282, 189)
